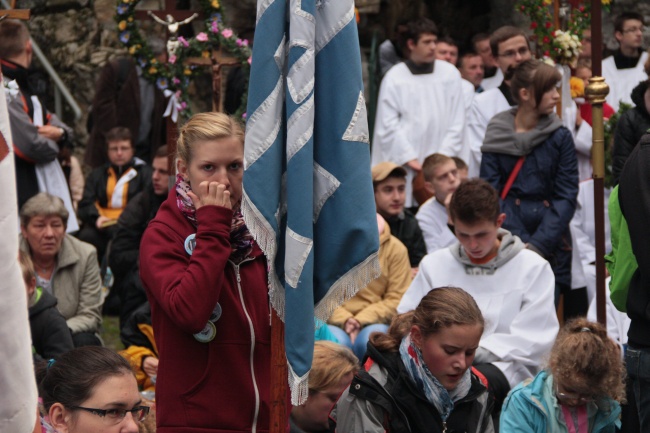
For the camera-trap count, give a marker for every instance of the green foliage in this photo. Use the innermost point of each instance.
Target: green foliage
(175, 75)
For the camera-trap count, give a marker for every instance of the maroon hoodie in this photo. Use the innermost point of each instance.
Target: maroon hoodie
(223, 385)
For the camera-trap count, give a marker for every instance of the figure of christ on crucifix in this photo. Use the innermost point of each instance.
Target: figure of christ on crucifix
(172, 27)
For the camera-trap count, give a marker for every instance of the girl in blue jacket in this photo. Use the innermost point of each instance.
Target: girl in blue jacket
(530, 158)
(578, 393)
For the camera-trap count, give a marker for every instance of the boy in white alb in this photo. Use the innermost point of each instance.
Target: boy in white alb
(440, 179)
(624, 69)
(514, 288)
(420, 110)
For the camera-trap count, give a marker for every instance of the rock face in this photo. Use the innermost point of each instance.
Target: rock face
(79, 36)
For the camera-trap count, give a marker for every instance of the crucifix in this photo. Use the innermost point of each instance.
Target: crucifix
(174, 18)
(218, 60)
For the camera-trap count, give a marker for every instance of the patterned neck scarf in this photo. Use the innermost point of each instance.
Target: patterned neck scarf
(241, 240)
(426, 382)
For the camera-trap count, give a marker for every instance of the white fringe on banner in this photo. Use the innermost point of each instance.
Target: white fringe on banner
(299, 386)
(347, 286)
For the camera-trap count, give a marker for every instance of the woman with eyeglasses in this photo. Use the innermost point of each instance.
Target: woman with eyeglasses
(578, 393)
(90, 390)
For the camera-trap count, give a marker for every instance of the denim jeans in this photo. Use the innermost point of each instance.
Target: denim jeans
(637, 362)
(359, 346)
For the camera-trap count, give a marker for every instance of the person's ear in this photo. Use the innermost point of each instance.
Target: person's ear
(428, 186)
(181, 168)
(500, 219)
(410, 43)
(525, 95)
(618, 35)
(416, 336)
(60, 418)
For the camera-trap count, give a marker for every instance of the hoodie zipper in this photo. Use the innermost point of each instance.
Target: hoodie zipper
(252, 332)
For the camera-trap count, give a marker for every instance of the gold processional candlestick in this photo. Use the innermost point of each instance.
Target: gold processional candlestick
(596, 92)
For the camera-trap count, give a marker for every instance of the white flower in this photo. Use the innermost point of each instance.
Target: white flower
(11, 88)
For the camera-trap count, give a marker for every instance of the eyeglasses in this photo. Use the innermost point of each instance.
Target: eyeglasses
(633, 30)
(512, 53)
(114, 416)
(573, 397)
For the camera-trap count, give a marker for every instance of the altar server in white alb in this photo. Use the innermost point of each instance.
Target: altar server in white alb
(513, 286)
(420, 109)
(510, 48)
(624, 69)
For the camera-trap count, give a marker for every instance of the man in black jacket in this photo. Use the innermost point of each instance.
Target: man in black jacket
(389, 182)
(634, 199)
(109, 188)
(125, 247)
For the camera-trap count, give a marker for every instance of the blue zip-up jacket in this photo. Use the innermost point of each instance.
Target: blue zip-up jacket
(543, 198)
(529, 408)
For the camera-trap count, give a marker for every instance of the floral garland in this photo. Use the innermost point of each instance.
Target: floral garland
(561, 46)
(174, 76)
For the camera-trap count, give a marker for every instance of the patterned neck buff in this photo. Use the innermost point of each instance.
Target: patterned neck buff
(241, 240)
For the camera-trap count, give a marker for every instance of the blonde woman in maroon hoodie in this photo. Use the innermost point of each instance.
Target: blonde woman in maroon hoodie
(206, 280)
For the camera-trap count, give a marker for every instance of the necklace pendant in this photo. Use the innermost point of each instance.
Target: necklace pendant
(444, 427)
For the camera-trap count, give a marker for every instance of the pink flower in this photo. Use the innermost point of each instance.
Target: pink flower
(172, 59)
(183, 105)
(202, 37)
(183, 41)
(243, 115)
(239, 42)
(250, 60)
(226, 33)
(244, 42)
(214, 28)
(176, 81)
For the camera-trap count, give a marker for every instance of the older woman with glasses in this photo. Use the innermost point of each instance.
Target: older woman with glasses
(65, 266)
(90, 390)
(579, 392)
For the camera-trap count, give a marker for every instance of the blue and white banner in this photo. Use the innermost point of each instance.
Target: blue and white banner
(308, 197)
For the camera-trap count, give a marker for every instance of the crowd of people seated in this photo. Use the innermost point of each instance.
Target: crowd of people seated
(478, 320)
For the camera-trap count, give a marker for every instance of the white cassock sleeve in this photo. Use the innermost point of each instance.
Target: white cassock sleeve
(452, 142)
(532, 332)
(391, 140)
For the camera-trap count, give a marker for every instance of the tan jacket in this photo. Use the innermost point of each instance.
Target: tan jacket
(76, 284)
(377, 302)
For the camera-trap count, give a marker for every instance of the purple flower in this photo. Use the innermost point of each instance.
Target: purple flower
(162, 83)
(183, 41)
(122, 9)
(176, 81)
(226, 33)
(183, 105)
(202, 37)
(125, 36)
